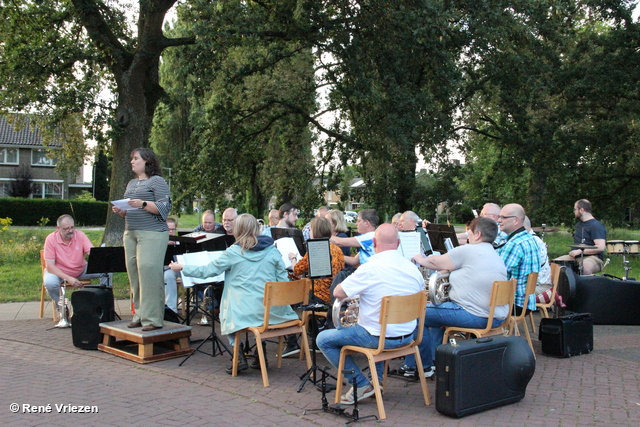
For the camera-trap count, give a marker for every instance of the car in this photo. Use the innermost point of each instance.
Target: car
(350, 216)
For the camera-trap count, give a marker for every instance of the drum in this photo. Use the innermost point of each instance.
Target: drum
(571, 264)
(615, 247)
(632, 246)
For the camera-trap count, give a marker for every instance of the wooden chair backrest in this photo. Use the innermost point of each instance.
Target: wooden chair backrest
(555, 279)
(502, 293)
(402, 309)
(43, 262)
(284, 293)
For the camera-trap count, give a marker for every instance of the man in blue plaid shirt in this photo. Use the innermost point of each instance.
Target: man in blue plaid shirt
(520, 253)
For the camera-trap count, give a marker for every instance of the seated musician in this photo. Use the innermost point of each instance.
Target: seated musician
(320, 228)
(543, 287)
(591, 232)
(474, 268)
(386, 273)
(339, 227)
(366, 224)
(248, 264)
(64, 253)
(170, 276)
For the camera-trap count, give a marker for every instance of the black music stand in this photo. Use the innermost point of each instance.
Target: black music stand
(105, 260)
(294, 233)
(319, 256)
(438, 233)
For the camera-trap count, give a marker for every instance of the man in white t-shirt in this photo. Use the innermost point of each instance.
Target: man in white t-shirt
(367, 222)
(387, 273)
(474, 268)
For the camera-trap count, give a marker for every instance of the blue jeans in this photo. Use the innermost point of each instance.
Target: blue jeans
(446, 314)
(331, 341)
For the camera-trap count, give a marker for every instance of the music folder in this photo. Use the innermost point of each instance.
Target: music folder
(294, 233)
(106, 260)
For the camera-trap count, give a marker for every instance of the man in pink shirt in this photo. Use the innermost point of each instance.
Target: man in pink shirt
(64, 253)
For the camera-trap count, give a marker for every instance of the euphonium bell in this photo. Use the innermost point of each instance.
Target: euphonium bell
(63, 309)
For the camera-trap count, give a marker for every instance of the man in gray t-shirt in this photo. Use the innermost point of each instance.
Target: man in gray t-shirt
(473, 269)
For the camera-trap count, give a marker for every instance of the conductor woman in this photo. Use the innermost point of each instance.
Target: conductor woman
(145, 238)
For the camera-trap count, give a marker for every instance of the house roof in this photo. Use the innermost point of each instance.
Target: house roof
(25, 134)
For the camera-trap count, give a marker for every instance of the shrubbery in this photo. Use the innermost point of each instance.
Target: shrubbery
(33, 211)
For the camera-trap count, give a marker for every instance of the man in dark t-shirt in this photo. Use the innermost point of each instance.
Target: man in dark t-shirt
(591, 232)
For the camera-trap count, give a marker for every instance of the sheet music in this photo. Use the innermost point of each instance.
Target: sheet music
(448, 244)
(319, 258)
(122, 204)
(198, 259)
(287, 245)
(410, 244)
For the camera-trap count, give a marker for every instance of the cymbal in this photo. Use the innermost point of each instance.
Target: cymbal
(582, 246)
(545, 230)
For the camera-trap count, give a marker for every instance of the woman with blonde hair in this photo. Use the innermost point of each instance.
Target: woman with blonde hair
(339, 227)
(248, 264)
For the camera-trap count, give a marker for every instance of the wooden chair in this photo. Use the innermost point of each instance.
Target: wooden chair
(394, 309)
(502, 293)
(277, 294)
(555, 278)
(530, 289)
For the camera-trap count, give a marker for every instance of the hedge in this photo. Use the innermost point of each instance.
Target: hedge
(31, 211)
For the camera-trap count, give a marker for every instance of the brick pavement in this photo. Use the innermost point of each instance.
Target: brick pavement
(41, 366)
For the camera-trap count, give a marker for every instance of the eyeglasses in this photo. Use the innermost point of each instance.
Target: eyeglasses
(506, 216)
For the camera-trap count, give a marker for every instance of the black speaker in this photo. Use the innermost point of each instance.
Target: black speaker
(91, 306)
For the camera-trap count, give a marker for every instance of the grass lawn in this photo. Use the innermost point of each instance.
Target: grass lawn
(20, 274)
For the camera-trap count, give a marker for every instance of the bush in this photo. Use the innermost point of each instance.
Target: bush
(31, 212)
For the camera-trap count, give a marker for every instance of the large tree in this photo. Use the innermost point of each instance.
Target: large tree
(57, 55)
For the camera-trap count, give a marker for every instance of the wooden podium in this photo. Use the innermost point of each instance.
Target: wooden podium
(145, 347)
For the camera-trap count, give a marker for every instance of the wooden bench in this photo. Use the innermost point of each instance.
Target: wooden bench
(145, 347)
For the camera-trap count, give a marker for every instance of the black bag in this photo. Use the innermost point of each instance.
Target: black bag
(481, 374)
(567, 336)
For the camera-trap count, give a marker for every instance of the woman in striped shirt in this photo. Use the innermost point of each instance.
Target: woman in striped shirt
(145, 238)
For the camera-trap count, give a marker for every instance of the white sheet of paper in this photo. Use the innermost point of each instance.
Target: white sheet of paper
(287, 245)
(410, 244)
(122, 204)
(199, 259)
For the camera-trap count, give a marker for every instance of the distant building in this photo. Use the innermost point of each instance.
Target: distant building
(22, 146)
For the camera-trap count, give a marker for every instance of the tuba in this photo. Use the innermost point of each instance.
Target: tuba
(439, 288)
(345, 312)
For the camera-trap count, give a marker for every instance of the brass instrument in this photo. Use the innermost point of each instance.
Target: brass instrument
(63, 308)
(345, 312)
(207, 302)
(439, 288)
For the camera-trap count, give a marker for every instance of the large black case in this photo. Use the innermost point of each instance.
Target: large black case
(481, 374)
(567, 336)
(91, 306)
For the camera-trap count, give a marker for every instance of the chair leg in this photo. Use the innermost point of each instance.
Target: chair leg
(526, 333)
(533, 324)
(340, 377)
(279, 352)
(236, 353)
(263, 362)
(375, 381)
(42, 293)
(423, 380)
(305, 349)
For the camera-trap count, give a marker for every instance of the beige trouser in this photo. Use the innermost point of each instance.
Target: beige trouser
(592, 263)
(144, 252)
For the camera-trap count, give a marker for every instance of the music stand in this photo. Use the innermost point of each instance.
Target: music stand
(105, 260)
(294, 233)
(319, 255)
(438, 233)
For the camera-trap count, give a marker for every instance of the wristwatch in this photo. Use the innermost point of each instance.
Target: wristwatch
(144, 205)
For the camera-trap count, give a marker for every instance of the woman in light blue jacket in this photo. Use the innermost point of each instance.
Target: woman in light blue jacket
(251, 262)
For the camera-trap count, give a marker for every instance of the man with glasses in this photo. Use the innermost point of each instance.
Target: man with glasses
(228, 216)
(492, 211)
(589, 231)
(64, 253)
(520, 253)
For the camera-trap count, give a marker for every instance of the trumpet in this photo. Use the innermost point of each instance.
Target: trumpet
(63, 309)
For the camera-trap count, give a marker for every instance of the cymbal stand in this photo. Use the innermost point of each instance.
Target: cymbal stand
(543, 227)
(625, 262)
(338, 408)
(581, 266)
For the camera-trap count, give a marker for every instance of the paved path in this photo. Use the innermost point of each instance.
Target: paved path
(40, 367)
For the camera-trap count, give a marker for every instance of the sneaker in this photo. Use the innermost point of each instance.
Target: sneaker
(429, 372)
(291, 349)
(363, 393)
(242, 366)
(407, 371)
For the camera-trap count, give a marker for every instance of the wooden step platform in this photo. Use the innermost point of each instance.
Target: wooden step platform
(145, 347)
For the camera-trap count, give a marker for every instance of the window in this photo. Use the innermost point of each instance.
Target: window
(4, 189)
(39, 158)
(8, 156)
(52, 190)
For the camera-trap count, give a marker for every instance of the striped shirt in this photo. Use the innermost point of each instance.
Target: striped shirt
(154, 189)
(520, 255)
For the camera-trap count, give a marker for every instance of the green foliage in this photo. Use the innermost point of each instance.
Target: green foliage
(33, 211)
(84, 195)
